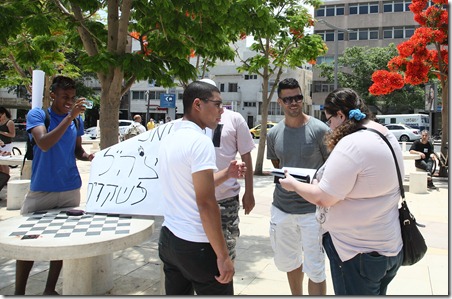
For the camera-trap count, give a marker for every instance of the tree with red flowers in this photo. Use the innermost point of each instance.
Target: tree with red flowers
(422, 57)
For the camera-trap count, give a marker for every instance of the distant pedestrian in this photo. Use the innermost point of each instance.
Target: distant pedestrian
(151, 124)
(425, 149)
(135, 128)
(7, 133)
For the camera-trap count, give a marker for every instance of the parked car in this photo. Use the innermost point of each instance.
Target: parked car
(404, 132)
(256, 131)
(123, 124)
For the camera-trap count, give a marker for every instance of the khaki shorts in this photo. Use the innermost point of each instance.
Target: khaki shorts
(42, 201)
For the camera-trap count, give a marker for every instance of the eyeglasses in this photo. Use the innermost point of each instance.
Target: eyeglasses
(328, 120)
(289, 100)
(218, 104)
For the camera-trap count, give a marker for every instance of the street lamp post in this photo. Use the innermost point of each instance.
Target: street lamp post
(336, 46)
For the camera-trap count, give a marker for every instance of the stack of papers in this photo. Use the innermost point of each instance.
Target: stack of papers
(304, 175)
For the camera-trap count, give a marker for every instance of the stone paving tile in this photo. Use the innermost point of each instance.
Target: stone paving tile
(137, 269)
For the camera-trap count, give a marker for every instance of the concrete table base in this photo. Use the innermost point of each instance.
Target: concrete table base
(88, 276)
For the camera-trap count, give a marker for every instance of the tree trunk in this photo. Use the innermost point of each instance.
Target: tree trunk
(443, 169)
(109, 108)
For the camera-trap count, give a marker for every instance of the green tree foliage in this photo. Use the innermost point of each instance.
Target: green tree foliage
(169, 31)
(280, 42)
(355, 68)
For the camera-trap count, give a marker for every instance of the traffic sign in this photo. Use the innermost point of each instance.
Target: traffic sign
(168, 100)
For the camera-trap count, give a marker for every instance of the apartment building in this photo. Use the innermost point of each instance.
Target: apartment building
(362, 23)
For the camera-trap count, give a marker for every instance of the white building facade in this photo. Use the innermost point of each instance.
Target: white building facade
(240, 92)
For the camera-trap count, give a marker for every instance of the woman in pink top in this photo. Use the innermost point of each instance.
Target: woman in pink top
(357, 197)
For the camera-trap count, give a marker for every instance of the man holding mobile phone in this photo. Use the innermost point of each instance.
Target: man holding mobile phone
(55, 179)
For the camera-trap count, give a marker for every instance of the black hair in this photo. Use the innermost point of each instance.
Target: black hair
(197, 89)
(3, 110)
(288, 83)
(63, 83)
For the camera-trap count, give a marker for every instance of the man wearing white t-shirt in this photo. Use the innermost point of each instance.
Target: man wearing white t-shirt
(191, 245)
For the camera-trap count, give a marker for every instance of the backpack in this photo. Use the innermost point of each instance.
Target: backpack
(31, 142)
(132, 132)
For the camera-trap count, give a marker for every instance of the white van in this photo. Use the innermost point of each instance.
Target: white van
(415, 121)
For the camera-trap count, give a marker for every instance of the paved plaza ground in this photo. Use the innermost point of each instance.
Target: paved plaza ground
(137, 269)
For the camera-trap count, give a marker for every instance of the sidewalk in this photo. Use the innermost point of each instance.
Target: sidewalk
(137, 269)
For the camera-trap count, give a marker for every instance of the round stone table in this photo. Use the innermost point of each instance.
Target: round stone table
(85, 244)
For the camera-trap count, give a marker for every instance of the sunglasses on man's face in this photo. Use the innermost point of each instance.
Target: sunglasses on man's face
(289, 100)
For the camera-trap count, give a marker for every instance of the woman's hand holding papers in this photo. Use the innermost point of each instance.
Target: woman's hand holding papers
(288, 182)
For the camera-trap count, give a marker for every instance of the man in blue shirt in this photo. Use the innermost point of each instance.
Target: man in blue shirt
(55, 180)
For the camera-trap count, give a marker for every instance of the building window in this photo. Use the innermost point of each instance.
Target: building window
(363, 34)
(138, 95)
(409, 32)
(328, 36)
(373, 8)
(320, 12)
(330, 11)
(273, 109)
(396, 6)
(398, 32)
(221, 87)
(180, 96)
(324, 59)
(249, 104)
(250, 77)
(232, 87)
(363, 8)
(373, 33)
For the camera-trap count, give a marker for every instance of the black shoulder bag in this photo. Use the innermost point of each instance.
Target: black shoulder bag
(414, 247)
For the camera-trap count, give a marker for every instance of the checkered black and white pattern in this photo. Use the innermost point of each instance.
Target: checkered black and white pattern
(56, 224)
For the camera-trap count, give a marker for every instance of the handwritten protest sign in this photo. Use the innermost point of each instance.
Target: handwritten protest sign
(124, 177)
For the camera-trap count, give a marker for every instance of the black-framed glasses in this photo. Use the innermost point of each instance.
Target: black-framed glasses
(218, 104)
(289, 100)
(328, 120)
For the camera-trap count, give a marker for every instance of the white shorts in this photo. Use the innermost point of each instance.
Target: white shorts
(296, 241)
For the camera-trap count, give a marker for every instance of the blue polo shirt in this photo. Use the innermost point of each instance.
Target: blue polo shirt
(54, 170)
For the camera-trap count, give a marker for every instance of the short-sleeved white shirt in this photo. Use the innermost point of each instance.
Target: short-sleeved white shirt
(235, 138)
(182, 153)
(361, 172)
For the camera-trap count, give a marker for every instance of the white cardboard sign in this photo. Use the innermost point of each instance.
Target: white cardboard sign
(124, 178)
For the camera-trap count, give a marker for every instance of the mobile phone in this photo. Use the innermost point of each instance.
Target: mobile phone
(75, 212)
(25, 237)
(88, 104)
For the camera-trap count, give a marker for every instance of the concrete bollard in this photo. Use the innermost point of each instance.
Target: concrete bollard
(418, 182)
(17, 189)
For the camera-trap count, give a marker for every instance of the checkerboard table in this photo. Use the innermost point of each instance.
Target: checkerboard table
(85, 243)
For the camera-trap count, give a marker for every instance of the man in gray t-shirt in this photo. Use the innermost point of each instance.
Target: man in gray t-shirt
(296, 141)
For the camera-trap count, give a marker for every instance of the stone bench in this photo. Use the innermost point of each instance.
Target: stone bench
(17, 189)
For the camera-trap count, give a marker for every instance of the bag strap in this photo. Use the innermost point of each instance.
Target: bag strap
(399, 175)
